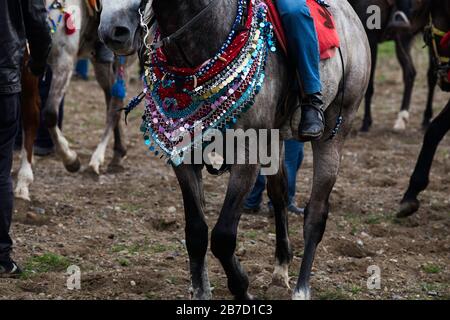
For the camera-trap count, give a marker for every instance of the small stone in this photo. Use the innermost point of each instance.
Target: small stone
(432, 293)
(132, 283)
(360, 243)
(365, 235)
(172, 210)
(39, 210)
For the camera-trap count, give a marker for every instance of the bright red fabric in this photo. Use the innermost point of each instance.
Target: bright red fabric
(325, 27)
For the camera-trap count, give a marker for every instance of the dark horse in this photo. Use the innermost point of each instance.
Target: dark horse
(403, 43)
(119, 28)
(440, 14)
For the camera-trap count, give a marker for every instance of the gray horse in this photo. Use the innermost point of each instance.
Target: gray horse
(120, 29)
(66, 50)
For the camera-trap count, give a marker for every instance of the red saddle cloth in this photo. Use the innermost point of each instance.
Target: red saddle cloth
(325, 27)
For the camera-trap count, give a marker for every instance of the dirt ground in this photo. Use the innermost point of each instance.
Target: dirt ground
(124, 229)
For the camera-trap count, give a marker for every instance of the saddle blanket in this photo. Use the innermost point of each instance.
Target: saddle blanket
(325, 27)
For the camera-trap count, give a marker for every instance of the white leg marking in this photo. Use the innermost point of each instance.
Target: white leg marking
(402, 121)
(281, 275)
(24, 178)
(62, 147)
(98, 158)
(302, 294)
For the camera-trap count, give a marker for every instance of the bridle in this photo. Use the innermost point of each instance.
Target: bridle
(175, 35)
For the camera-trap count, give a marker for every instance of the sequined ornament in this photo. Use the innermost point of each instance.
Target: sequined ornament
(182, 101)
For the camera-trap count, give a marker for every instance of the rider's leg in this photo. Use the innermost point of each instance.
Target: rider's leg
(304, 47)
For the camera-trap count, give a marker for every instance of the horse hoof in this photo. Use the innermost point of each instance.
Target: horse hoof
(22, 193)
(402, 121)
(408, 207)
(365, 128)
(95, 168)
(246, 296)
(73, 167)
(302, 294)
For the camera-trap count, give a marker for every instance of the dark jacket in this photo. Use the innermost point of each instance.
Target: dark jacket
(22, 20)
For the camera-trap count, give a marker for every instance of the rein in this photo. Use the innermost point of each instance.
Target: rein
(175, 35)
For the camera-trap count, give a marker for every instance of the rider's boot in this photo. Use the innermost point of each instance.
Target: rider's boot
(312, 123)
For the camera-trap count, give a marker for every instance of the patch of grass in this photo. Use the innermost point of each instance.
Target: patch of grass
(160, 248)
(332, 294)
(386, 49)
(48, 262)
(151, 296)
(355, 289)
(132, 207)
(373, 219)
(431, 268)
(124, 262)
(251, 234)
(130, 249)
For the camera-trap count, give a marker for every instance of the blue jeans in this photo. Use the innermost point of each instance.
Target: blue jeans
(292, 162)
(303, 42)
(82, 69)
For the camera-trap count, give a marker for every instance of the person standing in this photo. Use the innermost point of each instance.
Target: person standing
(20, 20)
(292, 162)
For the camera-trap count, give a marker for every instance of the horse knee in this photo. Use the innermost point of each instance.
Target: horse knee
(223, 242)
(51, 117)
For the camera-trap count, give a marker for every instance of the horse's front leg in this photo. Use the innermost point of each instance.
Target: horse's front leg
(105, 77)
(403, 50)
(420, 177)
(62, 72)
(224, 234)
(190, 180)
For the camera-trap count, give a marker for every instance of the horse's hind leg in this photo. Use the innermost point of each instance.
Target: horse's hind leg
(420, 177)
(224, 234)
(105, 77)
(190, 180)
(277, 191)
(403, 49)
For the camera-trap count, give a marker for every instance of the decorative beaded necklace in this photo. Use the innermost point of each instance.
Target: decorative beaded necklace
(56, 5)
(181, 101)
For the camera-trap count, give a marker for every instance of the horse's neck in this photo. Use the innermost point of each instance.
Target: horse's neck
(204, 38)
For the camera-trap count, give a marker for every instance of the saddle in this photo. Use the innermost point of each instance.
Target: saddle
(323, 21)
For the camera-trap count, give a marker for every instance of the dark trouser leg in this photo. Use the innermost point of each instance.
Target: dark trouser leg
(9, 118)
